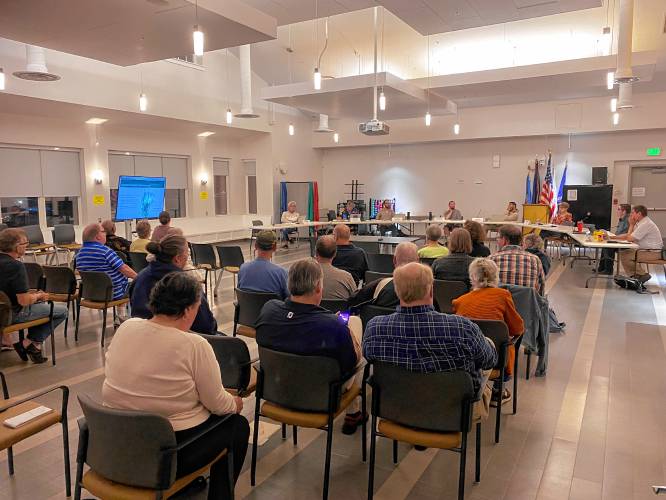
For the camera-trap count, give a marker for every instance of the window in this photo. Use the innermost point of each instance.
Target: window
(39, 186)
(19, 212)
(172, 167)
(220, 176)
(62, 210)
(250, 167)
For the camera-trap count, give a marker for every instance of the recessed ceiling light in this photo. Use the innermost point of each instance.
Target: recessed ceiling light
(205, 134)
(96, 121)
(56, 149)
(127, 153)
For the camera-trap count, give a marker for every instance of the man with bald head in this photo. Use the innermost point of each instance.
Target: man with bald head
(96, 256)
(381, 292)
(338, 283)
(349, 258)
(420, 339)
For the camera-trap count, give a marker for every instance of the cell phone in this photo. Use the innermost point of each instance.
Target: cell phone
(344, 316)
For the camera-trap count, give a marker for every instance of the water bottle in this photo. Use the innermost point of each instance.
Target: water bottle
(429, 215)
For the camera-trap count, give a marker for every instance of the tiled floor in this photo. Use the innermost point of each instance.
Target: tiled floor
(593, 428)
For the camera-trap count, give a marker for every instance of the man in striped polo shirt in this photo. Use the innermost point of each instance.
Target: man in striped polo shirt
(516, 266)
(96, 256)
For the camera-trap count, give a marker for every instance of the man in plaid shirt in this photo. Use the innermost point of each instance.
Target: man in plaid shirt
(420, 339)
(516, 266)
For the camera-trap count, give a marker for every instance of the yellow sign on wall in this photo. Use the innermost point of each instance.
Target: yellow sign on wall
(98, 199)
(203, 195)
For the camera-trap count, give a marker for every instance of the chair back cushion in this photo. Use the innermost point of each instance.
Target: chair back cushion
(34, 234)
(430, 401)
(368, 246)
(369, 311)
(130, 447)
(96, 286)
(138, 261)
(230, 256)
(445, 292)
(299, 382)
(59, 280)
(233, 357)
(63, 234)
(250, 304)
(381, 263)
(203, 254)
(35, 275)
(371, 276)
(334, 305)
(5, 310)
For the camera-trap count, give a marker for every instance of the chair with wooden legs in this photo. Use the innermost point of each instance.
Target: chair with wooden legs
(233, 357)
(64, 239)
(36, 245)
(96, 292)
(7, 327)
(204, 259)
(12, 407)
(246, 310)
(498, 332)
(231, 259)
(303, 391)
(132, 454)
(61, 285)
(433, 410)
(35, 274)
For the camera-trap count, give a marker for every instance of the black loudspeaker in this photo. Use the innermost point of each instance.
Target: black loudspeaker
(599, 175)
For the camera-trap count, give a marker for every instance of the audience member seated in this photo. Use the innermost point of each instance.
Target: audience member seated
(260, 274)
(170, 256)
(418, 338)
(350, 258)
(179, 379)
(478, 234)
(563, 216)
(511, 213)
(432, 248)
(338, 284)
(160, 231)
(607, 261)
(115, 242)
(487, 301)
(290, 216)
(300, 326)
(381, 292)
(143, 233)
(516, 266)
(533, 243)
(96, 256)
(26, 305)
(455, 266)
(644, 233)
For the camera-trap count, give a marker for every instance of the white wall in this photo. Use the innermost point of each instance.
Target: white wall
(424, 177)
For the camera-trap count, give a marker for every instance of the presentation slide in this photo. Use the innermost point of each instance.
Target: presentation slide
(140, 197)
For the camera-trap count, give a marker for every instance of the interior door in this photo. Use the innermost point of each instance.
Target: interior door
(648, 187)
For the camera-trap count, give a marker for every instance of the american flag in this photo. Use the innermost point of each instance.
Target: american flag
(547, 195)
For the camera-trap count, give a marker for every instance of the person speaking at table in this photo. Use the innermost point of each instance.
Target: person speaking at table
(644, 233)
(511, 213)
(289, 216)
(386, 213)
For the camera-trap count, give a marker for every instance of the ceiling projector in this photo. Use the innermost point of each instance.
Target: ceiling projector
(374, 127)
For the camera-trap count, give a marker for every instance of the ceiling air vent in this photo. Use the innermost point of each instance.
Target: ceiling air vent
(35, 68)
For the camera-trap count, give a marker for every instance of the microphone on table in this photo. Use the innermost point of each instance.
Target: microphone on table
(659, 489)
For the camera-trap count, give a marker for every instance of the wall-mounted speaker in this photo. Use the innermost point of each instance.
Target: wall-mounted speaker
(599, 175)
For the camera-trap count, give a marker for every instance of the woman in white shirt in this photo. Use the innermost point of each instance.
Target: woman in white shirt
(179, 378)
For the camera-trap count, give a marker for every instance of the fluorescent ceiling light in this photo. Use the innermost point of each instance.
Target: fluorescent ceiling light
(205, 134)
(96, 121)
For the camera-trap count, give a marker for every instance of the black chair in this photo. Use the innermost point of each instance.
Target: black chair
(138, 261)
(3, 227)
(255, 232)
(371, 276)
(498, 332)
(131, 454)
(427, 261)
(369, 311)
(425, 409)
(64, 238)
(445, 291)
(233, 357)
(303, 391)
(204, 258)
(368, 246)
(246, 310)
(381, 263)
(35, 274)
(16, 406)
(96, 292)
(7, 327)
(231, 259)
(330, 215)
(334, 305)
(60, 284)
(36, 245)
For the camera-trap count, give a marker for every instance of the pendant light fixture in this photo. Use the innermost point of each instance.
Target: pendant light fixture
(428, 118)
(230, 115)
(336, 137)
(317, 79)
(197, 34)
(2, 79)
(610, 80)
(292, 131)
(616, 118)
(456, 128)
(382, 100)
(382, 96)
(613, 104)
(143, 99)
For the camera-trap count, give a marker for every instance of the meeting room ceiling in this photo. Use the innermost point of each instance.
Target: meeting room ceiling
(128, 32)
(426, 16)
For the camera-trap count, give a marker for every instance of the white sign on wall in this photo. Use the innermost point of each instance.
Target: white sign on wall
(572, 194)
(638, 192)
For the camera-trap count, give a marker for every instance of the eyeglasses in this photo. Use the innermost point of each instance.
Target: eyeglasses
(23, 243)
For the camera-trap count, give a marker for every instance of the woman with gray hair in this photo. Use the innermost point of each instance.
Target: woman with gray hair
(487, 301)
(533, 244)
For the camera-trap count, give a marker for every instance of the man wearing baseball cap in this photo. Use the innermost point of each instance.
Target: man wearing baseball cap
(260, 274)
